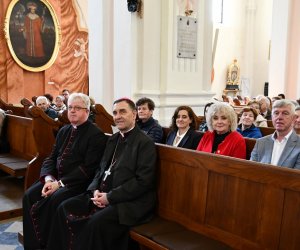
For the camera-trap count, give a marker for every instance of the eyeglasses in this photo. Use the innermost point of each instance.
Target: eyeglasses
(76, 108)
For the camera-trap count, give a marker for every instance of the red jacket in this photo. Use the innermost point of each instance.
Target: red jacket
(234, 145)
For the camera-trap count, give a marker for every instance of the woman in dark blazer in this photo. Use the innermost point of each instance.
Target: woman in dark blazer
(183, 128)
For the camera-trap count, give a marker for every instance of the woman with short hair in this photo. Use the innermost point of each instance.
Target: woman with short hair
(260, 121)
(222, 137)
(247, 128)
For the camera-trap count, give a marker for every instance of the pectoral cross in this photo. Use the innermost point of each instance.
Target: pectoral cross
(108, 171)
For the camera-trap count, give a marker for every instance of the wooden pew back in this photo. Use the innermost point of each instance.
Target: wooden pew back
(44, 132)
(266, 130)
(15, 110)
(244, 204)
(270, 123)
(103, 119)
(17, 131)
(20, 136)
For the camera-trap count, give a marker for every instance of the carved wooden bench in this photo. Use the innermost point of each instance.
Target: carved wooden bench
(22, 145)
(208, 201)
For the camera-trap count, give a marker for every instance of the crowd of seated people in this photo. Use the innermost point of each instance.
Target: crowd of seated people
(184, 131)
(219, 134)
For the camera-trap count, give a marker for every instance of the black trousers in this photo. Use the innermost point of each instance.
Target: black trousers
(82, 225)
(38, 213)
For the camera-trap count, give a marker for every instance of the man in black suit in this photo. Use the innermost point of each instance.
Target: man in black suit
(121, 195)
(65, 173)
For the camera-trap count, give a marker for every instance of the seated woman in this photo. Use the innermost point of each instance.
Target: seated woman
(183, 127)
(59, 104)
(260, 121)
(247, 128)
(222, 137)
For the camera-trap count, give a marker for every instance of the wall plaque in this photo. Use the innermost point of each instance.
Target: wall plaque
(186, 37)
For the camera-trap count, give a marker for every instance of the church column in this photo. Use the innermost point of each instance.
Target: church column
(109, 51)
(292, 88)
(248, 62)
(161, 75)
(279, 47)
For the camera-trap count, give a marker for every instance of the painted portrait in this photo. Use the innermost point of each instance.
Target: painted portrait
(32, 33)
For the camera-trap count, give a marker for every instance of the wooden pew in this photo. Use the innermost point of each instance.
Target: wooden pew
(103, 119)
(26, 104)
(14, 110)
(204, 199)
(22, 145)
(266, 130)
(44, 131)
(270, 123)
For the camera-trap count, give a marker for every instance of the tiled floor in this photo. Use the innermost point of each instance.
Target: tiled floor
(9, 235)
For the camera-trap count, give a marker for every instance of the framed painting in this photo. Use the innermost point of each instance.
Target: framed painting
(33, 34)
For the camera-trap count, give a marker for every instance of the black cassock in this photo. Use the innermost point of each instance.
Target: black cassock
(74, 159)
(130, 191)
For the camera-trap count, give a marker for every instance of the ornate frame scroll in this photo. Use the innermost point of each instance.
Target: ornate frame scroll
(33, 34)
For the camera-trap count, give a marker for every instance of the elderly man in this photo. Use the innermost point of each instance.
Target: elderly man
(146, 123)
(121, 195)
(264, 106)
(65, 173)
(283, 147)
(43, 103)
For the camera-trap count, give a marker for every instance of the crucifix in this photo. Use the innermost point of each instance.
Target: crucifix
(108, 171)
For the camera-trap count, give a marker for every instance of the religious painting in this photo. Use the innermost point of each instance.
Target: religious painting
(32, 33)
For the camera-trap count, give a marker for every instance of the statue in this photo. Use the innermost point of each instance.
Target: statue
(233, 76)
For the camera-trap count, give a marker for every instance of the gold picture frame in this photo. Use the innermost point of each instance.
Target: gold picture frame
(33, 34)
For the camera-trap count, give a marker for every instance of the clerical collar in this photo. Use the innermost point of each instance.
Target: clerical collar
(81, 125)
(125, 134)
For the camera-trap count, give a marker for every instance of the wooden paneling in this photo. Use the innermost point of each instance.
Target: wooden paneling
(244, 204)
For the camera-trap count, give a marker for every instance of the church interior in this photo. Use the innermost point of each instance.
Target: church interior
(176, 52)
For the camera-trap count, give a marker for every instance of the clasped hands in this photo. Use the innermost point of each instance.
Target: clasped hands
(49, 188)
(100, 199)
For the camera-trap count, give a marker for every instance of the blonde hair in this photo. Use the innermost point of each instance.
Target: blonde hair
(223, 108)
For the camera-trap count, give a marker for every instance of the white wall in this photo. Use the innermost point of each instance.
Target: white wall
(230, 42)
(263, 25)
(244, 35)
